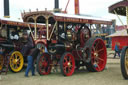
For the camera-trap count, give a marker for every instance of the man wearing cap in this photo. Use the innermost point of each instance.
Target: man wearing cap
(32, 56)
(28, 43)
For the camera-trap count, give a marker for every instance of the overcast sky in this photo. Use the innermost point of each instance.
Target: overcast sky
(92, 7)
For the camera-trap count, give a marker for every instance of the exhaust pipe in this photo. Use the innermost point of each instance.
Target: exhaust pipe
(56, 9)
(56, 4)
(6, 9)
(77, 7)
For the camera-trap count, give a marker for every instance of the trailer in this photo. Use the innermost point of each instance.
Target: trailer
(11, 45)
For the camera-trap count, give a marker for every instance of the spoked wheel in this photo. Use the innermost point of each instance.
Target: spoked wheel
(98, 55)
(67, 64)
(16, 61)
(124, 62)
(44, 64)
(1, 62)
(85, 34)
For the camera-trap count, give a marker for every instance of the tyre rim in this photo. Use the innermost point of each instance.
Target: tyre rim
(45, 64)
(16, 61)
(1, 62)
(126, 61)
(99, 55)
(68, 64)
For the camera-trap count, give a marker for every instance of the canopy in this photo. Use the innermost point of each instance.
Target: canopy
(119, 7)
(62, 17)
(10, 21)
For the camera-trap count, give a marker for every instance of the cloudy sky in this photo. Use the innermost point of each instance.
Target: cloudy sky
(92, 7)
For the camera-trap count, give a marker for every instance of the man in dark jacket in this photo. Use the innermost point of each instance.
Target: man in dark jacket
(29, 47)
(33, 55)
(28, 43)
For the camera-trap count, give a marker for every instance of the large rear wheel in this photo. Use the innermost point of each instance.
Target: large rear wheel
(16, 61)
(44, 64)
(67, 64)
(97, 54)
(124, 62)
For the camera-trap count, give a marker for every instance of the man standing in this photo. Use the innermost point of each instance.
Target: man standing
(117, 50)
(28, 43)
(32, 56)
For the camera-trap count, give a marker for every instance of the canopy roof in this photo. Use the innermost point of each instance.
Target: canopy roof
(19, 23)
(119, 7)
(67, 17)
(119, 33)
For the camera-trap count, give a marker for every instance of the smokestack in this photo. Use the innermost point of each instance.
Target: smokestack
(56, 4)
(77, 7)
(56, 9)
(6, 9)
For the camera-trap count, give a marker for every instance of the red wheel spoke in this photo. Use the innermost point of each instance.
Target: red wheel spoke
(98, 66)
(70, 60)
(65, 64)
(65, 67)
(65, 59)
(97, 45)
(100, 59)
(69, 69)
(100, 50)
(93, 48)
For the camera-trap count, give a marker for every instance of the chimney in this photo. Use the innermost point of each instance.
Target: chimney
(6, 9)
(56, 9)
(56, 4)
(77, 7)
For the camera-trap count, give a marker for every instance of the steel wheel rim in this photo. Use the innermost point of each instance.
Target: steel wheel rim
(68, 64)
(126, 61)
(1, 62)
(45, 64)
(99, 55)
(16, 61)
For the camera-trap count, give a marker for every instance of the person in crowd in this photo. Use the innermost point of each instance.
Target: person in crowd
(117, 49)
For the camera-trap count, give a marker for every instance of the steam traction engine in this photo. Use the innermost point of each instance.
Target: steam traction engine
(68, 42)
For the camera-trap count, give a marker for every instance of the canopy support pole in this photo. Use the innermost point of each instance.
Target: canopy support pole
(47, 29)
(30, 31)
(119, 18)
(35, 29)
(53, 30)
(127, 15)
